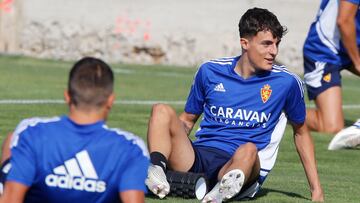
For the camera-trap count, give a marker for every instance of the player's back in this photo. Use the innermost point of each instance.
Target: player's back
(62, 161)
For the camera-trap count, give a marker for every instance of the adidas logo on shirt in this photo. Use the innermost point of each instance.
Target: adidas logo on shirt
(77, 173)
(220, 88)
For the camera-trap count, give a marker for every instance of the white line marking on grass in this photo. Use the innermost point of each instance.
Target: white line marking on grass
(345, 106)
(149, 102)
(163, 73)
(123, 71)
(32, 101)
(351, 106)
(58, 101)
(132, 102)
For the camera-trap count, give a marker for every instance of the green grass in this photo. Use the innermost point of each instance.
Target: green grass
(27, 78)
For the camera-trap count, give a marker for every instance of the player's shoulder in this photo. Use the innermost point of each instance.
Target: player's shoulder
(219, 62)
(288, 77)
(127, 138)
(216, 66)
(31, 123)
(282, 71)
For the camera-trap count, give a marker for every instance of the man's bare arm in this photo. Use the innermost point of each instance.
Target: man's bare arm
(347, 26)
(14, 192)
(132, 196)
(305, 148)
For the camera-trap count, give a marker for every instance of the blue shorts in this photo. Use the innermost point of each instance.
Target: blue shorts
(209, 161)
(319, 76)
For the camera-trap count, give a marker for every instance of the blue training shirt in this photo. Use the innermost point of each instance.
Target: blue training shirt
(62, 161)
(323, 42)
(236, 110)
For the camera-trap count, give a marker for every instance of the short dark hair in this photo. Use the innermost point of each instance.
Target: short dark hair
(91, 82)
(256, 20)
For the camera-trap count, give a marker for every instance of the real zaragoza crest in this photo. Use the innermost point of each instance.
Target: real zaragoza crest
(327, 77)
(265, 93)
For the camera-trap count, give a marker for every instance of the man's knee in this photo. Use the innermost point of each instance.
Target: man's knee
(248, 150)
(162, 110)
(332, 125)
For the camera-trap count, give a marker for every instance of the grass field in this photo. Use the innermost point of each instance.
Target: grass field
(32, 79)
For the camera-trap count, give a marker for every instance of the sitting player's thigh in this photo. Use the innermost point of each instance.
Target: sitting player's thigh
(182, 154)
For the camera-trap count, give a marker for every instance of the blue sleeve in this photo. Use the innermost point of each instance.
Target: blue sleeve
(295, 105)
(133, 175)
(196, 98)
(22, 160)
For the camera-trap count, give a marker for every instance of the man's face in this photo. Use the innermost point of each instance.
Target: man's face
(261, 50)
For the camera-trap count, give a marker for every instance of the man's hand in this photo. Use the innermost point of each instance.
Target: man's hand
(317, 195)
(189, 121)
(355, 69)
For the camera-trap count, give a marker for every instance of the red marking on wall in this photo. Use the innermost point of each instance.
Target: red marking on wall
(132, 27)
(146, 36)
(6, 5)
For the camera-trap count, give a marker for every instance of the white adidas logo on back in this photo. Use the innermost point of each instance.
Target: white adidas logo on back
(220, 88)
(77, 173)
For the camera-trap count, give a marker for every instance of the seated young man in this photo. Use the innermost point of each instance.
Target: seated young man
(76, 157)
(242, 100)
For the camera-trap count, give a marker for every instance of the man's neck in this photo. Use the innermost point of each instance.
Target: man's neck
(244, 68)
(86, 117)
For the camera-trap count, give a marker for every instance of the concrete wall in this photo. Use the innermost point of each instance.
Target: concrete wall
(10, 26)
(175, 32)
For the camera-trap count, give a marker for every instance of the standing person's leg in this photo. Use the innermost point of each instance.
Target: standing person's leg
(168, 143)
(328, 115)
(323, 83)
(348, 137)
(242, 169)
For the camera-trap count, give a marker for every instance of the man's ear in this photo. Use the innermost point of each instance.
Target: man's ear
(244, 43)
(110, 101)
(67, 97)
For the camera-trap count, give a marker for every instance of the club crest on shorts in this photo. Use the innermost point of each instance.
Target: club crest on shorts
(327, 77)
(265, 93)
